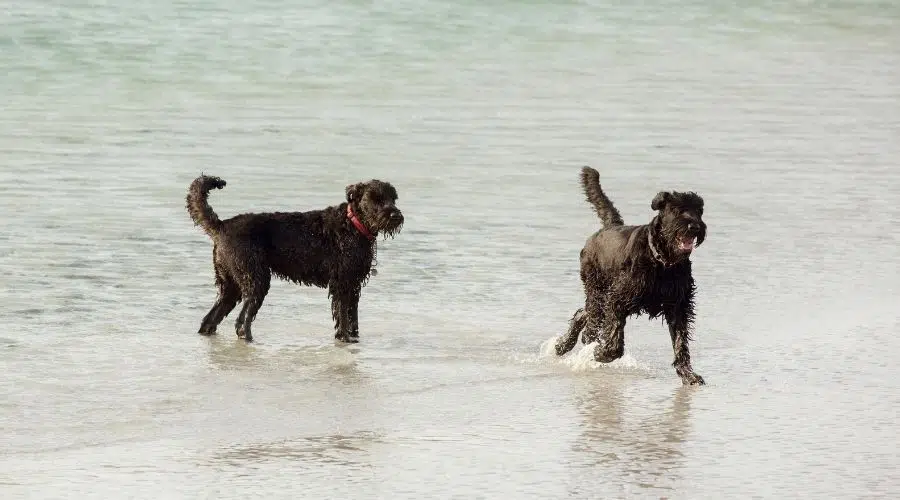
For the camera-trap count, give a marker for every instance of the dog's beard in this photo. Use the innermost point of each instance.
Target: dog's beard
(384, 225)
(392, 230)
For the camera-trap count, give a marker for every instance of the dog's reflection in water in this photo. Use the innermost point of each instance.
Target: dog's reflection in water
(334, 364)
(633, 438)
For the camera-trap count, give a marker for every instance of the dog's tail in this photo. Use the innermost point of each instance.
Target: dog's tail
(197, 205)
(590, 181)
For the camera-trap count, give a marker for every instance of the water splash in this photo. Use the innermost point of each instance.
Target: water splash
(581, 358)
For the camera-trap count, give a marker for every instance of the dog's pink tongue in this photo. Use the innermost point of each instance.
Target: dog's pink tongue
(687, 243)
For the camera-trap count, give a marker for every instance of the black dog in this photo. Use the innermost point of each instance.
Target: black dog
(332, 248)
(634, 270)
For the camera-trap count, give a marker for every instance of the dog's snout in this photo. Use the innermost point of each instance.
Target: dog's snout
(693, 226)
(396, 215)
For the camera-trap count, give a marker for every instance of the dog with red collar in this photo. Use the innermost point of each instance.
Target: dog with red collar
(332, 248)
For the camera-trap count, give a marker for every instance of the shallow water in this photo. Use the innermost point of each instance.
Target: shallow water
(784, 116)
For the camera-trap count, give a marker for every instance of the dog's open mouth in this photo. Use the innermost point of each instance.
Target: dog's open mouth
(687, 243)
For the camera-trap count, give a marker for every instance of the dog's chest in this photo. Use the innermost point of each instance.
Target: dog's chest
(660, 289)
(663, 289)
(356, 258)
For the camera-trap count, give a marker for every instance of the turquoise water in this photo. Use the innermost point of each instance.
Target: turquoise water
(783, 115)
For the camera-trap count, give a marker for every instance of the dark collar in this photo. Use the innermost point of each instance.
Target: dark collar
(363, 230)
(653, 251)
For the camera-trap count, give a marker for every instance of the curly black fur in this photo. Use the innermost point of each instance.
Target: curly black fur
(319, 248)
(634, 270)
(590, 182)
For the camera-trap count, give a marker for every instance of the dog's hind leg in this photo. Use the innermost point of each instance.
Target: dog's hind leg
(565, 343)
(593, 306)
(229, 296)
(254, 292)
(612, 338)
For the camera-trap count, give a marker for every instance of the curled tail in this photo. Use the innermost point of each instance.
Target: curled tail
(197, 205)
(590, 181)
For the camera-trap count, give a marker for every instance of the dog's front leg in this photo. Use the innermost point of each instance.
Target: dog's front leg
(354, 316)
(679, 321)
(340, 312)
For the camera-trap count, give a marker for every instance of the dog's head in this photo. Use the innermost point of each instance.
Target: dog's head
(680, 220)
(375, 203)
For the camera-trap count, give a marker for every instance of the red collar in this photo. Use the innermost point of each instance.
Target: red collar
(363, 230)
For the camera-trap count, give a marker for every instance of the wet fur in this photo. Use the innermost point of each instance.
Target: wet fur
(320, 248)
(622, 277)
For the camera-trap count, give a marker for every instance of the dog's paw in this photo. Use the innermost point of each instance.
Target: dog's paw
(244, 333)
(565, 344)
(604, 355)
(347, 338)
(692, 379)
(206, 331)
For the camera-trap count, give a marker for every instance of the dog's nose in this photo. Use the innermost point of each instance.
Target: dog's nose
(396, 216)
(692, 226)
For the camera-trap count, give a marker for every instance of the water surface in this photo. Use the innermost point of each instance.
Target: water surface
(784, 116)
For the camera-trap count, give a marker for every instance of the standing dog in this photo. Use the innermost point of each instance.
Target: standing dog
(331, 248)
(634, 270)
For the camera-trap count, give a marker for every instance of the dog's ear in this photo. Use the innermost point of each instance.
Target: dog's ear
(354, 192)
(659, 202)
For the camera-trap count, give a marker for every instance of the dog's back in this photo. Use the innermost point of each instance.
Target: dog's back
(300, 246)
(606, 250)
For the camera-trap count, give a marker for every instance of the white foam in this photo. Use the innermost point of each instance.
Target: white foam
(581, 358)
(548, 349)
